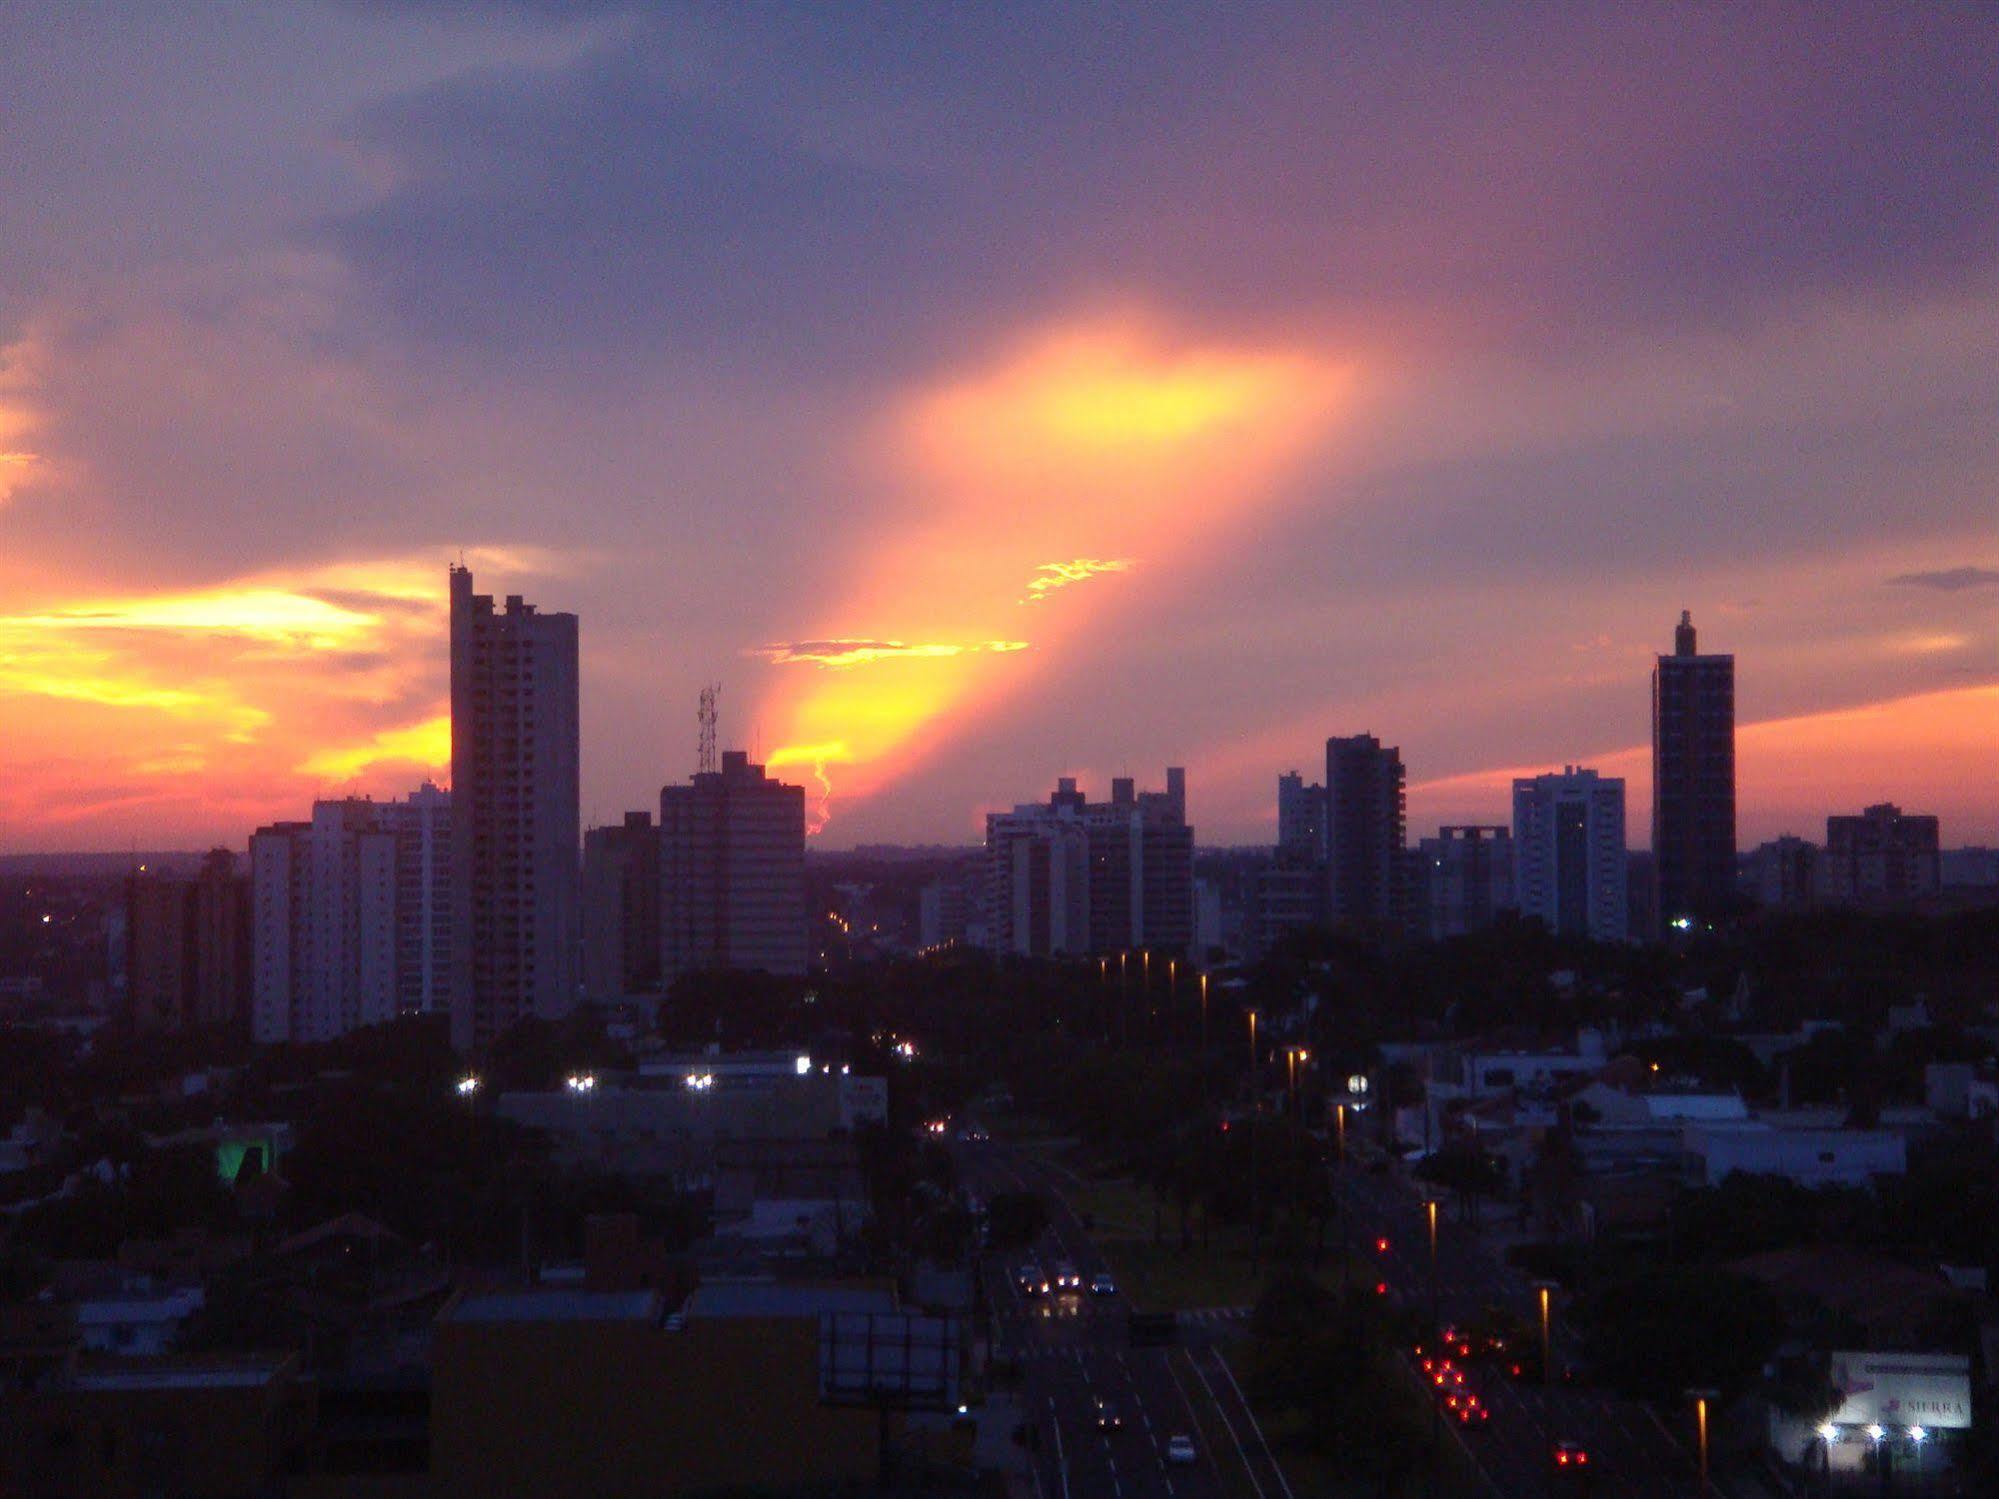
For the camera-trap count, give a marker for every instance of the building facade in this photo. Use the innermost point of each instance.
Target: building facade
(1885, 856)
(732, 873)
(421, 823)
(1301, 818)
(621, 908)
(1784, 873)
(514, 928)
(1465, 874)
(1568, 853)
(1071, 877)
(323, 924)
(1366, 859)
(188, 947)
(1693, 781)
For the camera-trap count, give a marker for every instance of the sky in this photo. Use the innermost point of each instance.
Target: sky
(983, 394)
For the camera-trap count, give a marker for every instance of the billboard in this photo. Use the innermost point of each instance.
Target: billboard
(889, 1358)
(1903, 1389)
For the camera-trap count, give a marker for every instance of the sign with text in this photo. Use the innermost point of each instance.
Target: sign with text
(1903, 1389)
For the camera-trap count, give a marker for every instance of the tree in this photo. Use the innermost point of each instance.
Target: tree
(1661, 1332)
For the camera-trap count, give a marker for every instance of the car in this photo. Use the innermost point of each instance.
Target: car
(1468, 1411)
(1030, 1280)
(976, 1135)
(1180, 1448)
(1067, 1277)
(1570, 1456)
(1101, 1284)
(1108, 1418)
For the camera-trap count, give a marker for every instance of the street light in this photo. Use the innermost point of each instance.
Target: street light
(468, 1085)
(1436, 1314)
(1293, 1055)
(1918, 1435)
(1544, 1291)
(1700, 1399)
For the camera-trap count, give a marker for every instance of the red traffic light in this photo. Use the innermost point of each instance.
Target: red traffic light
(1381, 1246)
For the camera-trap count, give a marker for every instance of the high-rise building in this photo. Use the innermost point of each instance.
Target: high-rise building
(1693, 781)
(1301, 818)
(1785, 872)
(188, 946)
(323, 924)
(1466, 877)
(1038, 880)
(1568, 853)
(1366, 860)
(1073, 876)
(732, 873)
(1885, 856)
(621, 908)
(515, 824)
(421, 823)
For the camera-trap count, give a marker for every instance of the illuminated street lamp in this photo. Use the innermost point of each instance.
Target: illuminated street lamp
(1919, 1435)
(1544, 1291)
(468, 1085)
(1701, 1399)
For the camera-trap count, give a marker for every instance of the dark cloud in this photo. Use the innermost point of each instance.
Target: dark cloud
(824, 184)
(1950, 579)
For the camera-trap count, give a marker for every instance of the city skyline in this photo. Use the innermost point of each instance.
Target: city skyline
(1262, 382)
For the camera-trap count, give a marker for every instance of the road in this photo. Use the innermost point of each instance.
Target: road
(1073, 1352)
(1630, 1452)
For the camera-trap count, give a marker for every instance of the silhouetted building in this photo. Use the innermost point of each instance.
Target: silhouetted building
(1366, 858)
(1287, 895)
(732, 873)
(1882, 857)
(421, 823)
(1301, 818)
(1784, 873)
(1693, 780)
(188, 946)
(1075, 876)
(1466, 877)
(514, 928)
(323, 903)
(621, 906)
(1568, 853)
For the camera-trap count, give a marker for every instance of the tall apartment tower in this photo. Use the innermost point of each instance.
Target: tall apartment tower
(621, 908)
(732, 873)
(1366, 865)
(1465, 874)
(1301, 819)
(421, 823)
(1693, 781)
(514, 928)
(323, 924)
(188, 946)
(1885, 856)
(1038, 879)
(1071, 876)
(1568, 853)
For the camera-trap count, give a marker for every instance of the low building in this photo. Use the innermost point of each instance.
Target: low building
(1809, 1157)
(577, 1392)
(136, 1323)
(136, 1428)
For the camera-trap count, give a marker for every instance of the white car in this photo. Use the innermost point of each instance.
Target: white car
(1180, 1448)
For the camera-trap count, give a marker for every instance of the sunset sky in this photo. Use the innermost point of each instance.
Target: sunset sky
(984, 394)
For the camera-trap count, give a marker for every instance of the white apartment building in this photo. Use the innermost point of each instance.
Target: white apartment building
(1568, 853)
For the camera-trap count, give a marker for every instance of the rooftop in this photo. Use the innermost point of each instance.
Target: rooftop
(768, 1299)
(558, 1306)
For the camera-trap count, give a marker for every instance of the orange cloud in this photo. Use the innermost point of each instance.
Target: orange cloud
(196, 713)
(1053, 575)
(1074, 444)
(839, 655)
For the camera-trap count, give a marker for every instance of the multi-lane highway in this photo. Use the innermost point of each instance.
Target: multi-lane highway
(1075, 1360)
(1629, 1451)
(1075, 1357)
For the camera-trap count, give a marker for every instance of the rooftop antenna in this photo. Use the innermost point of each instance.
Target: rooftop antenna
(707, 763)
